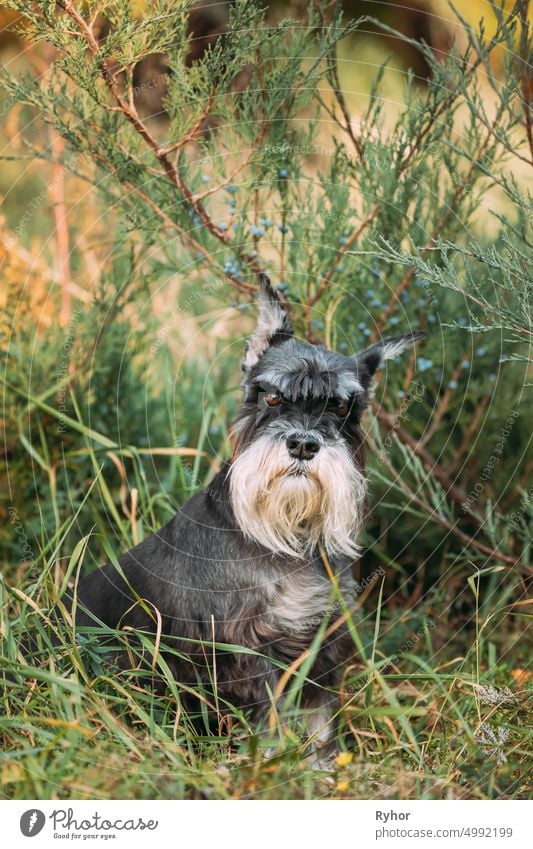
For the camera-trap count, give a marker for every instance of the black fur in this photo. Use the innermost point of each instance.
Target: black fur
(210, 581)
(205, 578)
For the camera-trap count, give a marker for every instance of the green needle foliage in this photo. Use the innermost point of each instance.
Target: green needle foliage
(373, 222)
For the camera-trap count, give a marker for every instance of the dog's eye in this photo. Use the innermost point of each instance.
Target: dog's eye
(342, 409)
(273, 398)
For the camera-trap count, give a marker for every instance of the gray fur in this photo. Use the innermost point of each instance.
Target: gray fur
(239, 573)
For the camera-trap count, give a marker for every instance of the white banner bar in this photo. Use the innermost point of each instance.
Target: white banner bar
(267, 825)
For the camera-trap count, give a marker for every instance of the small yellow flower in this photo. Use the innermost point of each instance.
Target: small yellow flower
(343, 786)
(344, 759)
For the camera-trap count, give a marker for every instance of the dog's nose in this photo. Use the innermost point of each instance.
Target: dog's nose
(303, 449)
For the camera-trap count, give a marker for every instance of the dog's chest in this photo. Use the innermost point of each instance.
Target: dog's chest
(300, 601)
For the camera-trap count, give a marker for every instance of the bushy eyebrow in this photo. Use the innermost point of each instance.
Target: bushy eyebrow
(334, 384)
(265, 388)
(348, 385)
(319, 400)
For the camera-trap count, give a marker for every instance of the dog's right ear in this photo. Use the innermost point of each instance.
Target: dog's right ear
(369, 360)
(273, 324)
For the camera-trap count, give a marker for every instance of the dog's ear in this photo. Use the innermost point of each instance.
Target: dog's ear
(273, 324)
(369, 360)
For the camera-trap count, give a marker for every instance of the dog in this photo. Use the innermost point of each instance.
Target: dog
(262, 558)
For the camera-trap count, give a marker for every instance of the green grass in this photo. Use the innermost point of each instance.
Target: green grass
(437, 700)
(413, 724)
(421, 701)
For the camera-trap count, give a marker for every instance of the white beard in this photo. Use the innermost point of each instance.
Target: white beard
(292, 513)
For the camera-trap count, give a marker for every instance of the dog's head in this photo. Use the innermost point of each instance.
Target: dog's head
(296, 476)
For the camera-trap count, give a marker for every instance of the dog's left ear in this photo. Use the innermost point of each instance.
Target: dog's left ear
(273, 324)
(369, 360)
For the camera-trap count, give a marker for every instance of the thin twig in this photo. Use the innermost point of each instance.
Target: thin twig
(453, 492)
(130, 113)
(453, 526)
(526, 77)
(339, 255)
(468, 435)
(443, 404)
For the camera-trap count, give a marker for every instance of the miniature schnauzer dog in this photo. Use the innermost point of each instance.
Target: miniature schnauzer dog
(254, 560)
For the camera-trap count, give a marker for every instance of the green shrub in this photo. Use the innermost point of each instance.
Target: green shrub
(368, 226)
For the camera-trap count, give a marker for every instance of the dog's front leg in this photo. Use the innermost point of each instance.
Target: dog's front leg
(320, 709)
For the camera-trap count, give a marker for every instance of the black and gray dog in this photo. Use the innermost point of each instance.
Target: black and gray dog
(250, 560)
